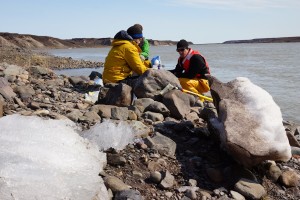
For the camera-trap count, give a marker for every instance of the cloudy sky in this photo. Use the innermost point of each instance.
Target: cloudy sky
(199, 21)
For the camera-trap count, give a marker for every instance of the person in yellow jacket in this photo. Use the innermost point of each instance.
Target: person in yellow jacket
(191, 69)
(123, 59)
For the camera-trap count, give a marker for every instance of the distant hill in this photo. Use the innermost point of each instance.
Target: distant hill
(37, 42)
(265, 40)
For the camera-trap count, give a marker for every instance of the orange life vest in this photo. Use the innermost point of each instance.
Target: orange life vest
(185, 63)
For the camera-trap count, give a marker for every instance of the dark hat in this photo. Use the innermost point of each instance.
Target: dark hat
(182, 44)
(135, 32)
(139, 26)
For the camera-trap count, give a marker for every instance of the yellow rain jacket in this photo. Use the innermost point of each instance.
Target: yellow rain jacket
(122, 60)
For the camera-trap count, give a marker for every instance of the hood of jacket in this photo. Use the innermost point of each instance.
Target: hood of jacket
(123, 35)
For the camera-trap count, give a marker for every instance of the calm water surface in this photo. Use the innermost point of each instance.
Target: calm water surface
(274, 67)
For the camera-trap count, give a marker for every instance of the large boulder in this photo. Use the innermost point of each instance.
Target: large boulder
(152, 82)
(249, 123)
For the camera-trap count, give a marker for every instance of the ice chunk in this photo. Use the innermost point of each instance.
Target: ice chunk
(47, 159)
(263, 108)
(109, 134)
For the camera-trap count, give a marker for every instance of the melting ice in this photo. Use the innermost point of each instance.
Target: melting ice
(47, 159)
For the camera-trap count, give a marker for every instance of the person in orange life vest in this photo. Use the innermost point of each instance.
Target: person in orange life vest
(191, 69)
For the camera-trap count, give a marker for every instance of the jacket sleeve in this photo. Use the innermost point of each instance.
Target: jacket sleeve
(134, 61)
(145, 49)
(197, 66)
(178, 70)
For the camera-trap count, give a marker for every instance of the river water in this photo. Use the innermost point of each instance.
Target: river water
(273, 66)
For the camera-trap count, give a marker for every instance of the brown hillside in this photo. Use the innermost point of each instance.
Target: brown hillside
(39, 42)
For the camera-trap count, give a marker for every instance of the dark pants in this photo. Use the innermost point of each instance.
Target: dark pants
(131, 80)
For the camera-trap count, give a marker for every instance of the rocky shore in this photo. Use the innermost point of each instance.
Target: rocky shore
(26, 58)
(174, 157)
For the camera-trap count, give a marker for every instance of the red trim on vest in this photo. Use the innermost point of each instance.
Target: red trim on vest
(186, 61)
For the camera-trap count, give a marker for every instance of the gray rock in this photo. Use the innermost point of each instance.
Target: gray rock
(155, 117)
(273, 173)
(163, 144)
(128, 195)
(185, 198)
(90, 117)
(14, 70)
(54, 82)
(290, 178)
(152, 82)
(119, 113)
(25, 92)
(19, 102)
(155, 177)
(193, 117)
(185, 188)
(140, 129)
(137, 174)
(237, 196)
(143, 103)
(115, 184)
(250, 189)
(169, 194)
(115, 159)
(74, 115)
(132, 115)
(191, 194)
(5, 90)
(40, 71)
(193, 182)
(103, 111)
(167, 180)
(158, 107)
(77, 80)
(117, 94)
(292, 139)
(297, 131)
(178, 103)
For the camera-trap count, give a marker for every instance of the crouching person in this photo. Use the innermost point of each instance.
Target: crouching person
(123, 59)
(191, 69)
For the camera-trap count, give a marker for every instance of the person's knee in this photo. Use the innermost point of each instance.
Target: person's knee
(186, 82)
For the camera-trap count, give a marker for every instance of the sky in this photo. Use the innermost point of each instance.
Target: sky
(198, 21)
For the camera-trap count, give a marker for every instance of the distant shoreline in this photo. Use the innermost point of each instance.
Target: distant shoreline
(28, 41)
(265, 40)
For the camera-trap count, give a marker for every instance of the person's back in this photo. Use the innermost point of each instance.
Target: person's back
(122, 60)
